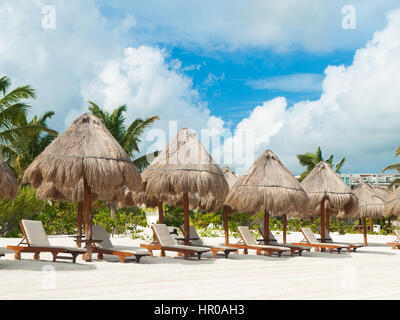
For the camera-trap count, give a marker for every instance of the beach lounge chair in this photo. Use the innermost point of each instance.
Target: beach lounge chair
(311, 241)
(167, 243)
(353, 246)
(214, 248)
(106, 246)
(37, 242)
(248, 242)
(395, 244)
(155, 245)
(272, 241)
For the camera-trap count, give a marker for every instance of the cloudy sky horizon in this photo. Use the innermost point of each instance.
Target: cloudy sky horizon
(289, 71)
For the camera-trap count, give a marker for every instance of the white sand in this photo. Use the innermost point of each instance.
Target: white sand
(370, 273)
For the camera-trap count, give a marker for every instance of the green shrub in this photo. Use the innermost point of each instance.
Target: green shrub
(24, 206)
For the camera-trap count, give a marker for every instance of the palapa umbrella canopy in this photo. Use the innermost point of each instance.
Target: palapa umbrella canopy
(370, 204)
(323, 185)
(392, 206)
(8, 182)
(184, 167)
(270, 187)
(85, 152)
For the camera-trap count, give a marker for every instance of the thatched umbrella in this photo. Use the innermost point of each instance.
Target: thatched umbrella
(8, 183)
(184, 168)
(324, 188)
(270, 187)
(392, 207)
(86, 152)
(370, 204)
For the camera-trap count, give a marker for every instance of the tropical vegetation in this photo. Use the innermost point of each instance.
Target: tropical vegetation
(310, 160)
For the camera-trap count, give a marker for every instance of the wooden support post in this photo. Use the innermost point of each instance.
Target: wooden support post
(327, 225)
(266, 227)
(79, 223)
(225, 212)
(284, 228)
(371, 224)
(322, 221)
(160, 212)
(186, 217)
(88, 218)
(364, 221)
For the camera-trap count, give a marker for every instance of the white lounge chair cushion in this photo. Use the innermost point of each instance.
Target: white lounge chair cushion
(249, 240)
(313, 240)
(34, 231)
(183, 247)
(100, 233)
(133, 250)
(163, 235)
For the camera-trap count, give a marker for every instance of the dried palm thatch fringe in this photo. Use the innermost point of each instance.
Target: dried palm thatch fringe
(47, 191)
(268, 185)
(8, 182)
(383, 192)
(185, 166)
(85, 150)
(230, 177)
(208, 203)
(370, 203)
(392, 206)
(322, 182)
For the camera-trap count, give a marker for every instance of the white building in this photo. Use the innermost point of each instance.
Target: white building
(378, 179)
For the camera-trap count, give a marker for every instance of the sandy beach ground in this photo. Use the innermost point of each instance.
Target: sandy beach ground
(370, 273)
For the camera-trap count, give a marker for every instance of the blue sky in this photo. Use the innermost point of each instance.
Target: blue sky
(288, 70)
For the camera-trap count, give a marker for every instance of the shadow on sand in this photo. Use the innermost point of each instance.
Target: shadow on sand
(33, 265)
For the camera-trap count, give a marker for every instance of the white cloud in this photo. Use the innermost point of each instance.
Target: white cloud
(356, 115)
(314, 25)
(149, 85)
(300, 82)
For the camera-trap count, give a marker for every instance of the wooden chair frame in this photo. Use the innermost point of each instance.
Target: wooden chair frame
(318, 246)
(18, 249)
(185, 252)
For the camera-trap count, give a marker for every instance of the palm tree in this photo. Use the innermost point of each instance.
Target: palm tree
(310, 160)
(127, 136)
(395, 166)
(12, 110)
(28, 140)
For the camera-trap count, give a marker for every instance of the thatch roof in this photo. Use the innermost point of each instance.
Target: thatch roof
(370, 203)
(322, 182)
(8, 182)
(383, 192)
(85, 150)
(392, 207)
(230, 177)
(185, 166)
(268, 185)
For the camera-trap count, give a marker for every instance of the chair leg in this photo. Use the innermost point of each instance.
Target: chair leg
(74, 255)
(36, 256)
(100, 256)
(138, 258)
(226, 252)
(54, 256)
(17, 255)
